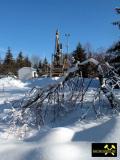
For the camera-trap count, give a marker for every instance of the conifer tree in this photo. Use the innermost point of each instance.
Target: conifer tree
(40, 68)
(40, 64)
(45, 66)
(27, 62)
(8, 58)
(79, 54)
(9, 63)
(20, 60)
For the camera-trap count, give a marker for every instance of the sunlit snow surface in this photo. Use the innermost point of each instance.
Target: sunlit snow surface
(69, 139)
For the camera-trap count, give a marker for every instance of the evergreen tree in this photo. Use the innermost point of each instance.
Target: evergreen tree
(79, 54)
(45, 61)
(20, 60)
(40, 64)
(8, 58)
(9, 63)
(40, 68)
(45, 66)
(27, 62)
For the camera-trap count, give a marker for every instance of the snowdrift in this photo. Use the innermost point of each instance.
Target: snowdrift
(68, 138)
(11, 82)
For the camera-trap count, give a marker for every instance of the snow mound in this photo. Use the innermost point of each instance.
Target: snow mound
(71, 140)
(43, 82)
(58, 135)
(11, 82)
(64, 143)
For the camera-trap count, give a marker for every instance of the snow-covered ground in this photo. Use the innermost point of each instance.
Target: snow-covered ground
(68, 139)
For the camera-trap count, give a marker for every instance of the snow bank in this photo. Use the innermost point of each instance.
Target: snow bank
(43, 82)
(71, 142)
(11, 82)
(12, 89)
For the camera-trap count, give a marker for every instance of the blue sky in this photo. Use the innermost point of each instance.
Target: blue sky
(30, 25)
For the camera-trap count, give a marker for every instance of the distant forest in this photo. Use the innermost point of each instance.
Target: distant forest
(10, 65)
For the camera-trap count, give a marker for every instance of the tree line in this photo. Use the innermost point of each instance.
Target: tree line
(111, 55)
(11, 65)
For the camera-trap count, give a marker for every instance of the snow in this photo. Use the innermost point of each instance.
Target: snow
(68, 138)
(11, 82)
(61, 143)
(11, 88)
(43, 82)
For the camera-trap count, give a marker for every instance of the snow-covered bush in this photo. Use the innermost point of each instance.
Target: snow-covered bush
(45, 105)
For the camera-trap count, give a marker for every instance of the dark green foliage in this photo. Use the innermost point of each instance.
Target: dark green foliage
(9, 65)
(40, 68)
(45, 66)
(20, 60)
(45, 61)
(8, 58)
(79, 54)
(40, 64)
(27, 62)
